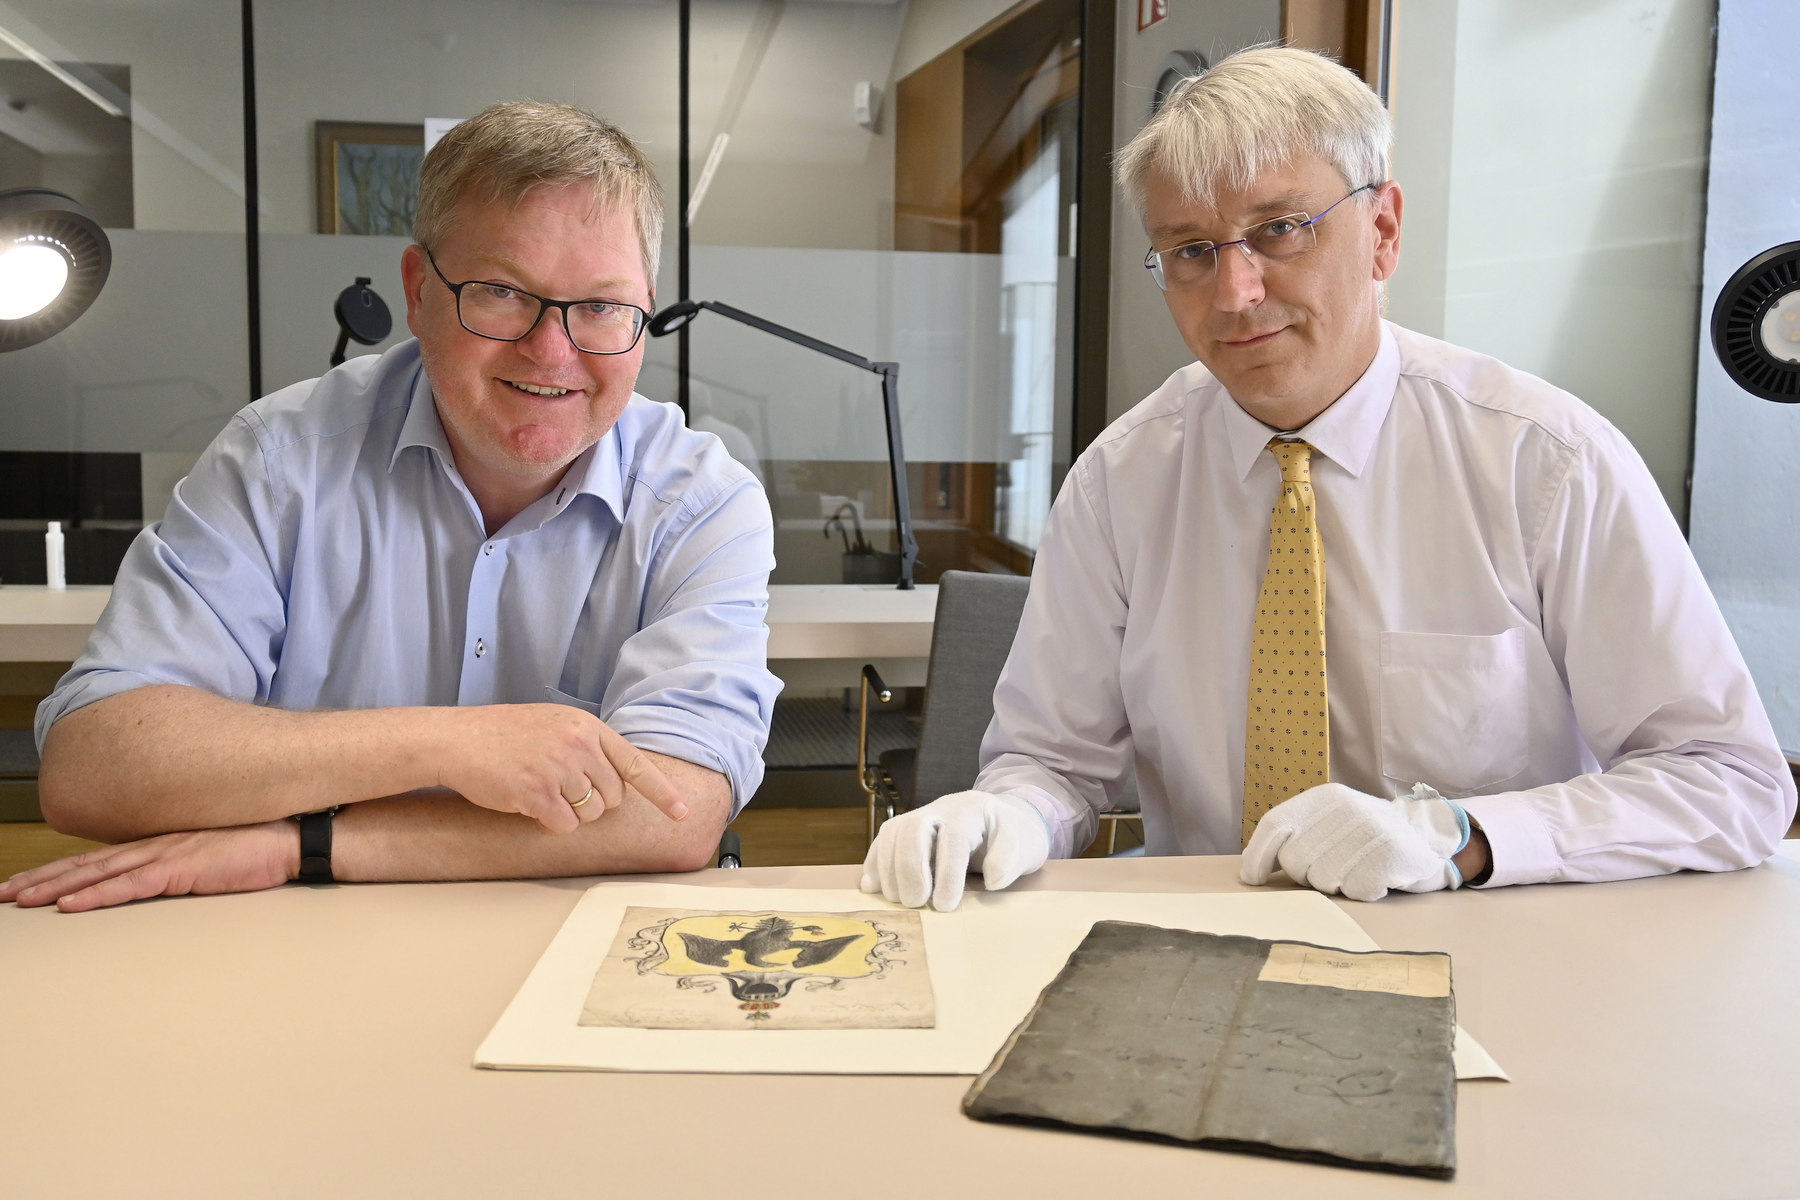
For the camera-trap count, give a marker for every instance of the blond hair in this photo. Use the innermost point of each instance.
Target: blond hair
(505, 150)
(1256, 110)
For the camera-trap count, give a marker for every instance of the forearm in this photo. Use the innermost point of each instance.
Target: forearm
(440, 836)
(1650, 815)
(164, 758)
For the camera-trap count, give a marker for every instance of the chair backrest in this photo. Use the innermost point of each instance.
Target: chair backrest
(977, 616)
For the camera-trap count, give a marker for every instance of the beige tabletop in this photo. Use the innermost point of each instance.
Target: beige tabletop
(318, 1042)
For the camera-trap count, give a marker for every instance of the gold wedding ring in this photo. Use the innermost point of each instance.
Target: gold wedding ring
(586, 796)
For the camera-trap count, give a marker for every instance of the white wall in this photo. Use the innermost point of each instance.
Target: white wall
(1553, 156)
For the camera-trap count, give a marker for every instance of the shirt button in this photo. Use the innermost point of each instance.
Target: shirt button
(488, 549)
(480, 647)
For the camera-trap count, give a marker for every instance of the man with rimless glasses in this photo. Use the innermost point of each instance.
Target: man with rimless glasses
(470, 609)
(1528, 679)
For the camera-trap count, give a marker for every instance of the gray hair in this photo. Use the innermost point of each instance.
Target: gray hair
(505, 150)
(1257, 109)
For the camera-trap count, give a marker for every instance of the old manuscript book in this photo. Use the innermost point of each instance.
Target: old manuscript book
(1237, 1043)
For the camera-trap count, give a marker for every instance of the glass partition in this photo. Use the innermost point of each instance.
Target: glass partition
(104, 103)
(897, 180)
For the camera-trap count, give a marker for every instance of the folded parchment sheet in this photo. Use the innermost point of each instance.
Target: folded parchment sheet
(1237, 1043)
(989, 960)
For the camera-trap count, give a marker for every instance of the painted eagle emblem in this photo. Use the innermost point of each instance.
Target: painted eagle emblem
(769, 936)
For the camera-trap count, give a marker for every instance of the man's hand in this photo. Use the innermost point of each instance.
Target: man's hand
(245, 858)
(1002, 836)
(1335, 839)
(556, 764)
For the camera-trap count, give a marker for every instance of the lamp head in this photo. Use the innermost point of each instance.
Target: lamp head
(54, 258)
(362, 314)
(1756, 325)
(673, 317)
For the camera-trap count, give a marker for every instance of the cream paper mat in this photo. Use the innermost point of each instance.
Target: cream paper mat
(989, 960)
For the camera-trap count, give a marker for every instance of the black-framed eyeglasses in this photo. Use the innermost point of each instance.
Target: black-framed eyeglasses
(1279, 239)
(503, 313)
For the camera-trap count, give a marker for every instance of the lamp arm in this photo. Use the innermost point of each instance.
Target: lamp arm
(792, 335)
(890, 402)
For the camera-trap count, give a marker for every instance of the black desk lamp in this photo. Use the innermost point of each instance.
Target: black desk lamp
(683, 311)
(54, 258)
(1756, 325)
(362, 315)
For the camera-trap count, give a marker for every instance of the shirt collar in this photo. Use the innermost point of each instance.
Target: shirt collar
(595, 472)
(1345, 432)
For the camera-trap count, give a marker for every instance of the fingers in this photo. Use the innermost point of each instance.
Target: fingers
(1262, 853)
(898, 864)
(633, 767)
(139, 883)
(871, 871)
(585, 801)
(956, 846)
(92, 880)
(52, 881)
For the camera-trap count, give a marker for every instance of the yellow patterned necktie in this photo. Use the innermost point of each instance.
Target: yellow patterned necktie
(1287, 742)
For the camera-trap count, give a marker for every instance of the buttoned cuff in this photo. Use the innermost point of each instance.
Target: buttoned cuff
(1519, 843)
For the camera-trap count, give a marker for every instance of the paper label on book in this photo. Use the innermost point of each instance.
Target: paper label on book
(1400, 974)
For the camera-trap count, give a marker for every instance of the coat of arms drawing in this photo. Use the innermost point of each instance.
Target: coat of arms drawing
(684, 969)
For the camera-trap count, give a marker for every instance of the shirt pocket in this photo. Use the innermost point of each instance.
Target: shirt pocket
(1454, 709)
(556, 697)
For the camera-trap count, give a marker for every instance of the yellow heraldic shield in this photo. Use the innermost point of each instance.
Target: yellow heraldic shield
(682, 969)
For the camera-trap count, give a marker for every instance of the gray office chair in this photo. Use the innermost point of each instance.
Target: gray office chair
(977, 616)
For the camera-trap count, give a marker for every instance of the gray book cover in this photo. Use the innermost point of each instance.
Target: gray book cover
(1236, 1043)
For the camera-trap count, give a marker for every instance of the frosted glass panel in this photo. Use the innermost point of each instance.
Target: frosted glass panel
(157, 364)
(940, 316)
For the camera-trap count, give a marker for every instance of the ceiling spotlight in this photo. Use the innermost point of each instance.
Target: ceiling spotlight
(1756, 325)
(54, 258)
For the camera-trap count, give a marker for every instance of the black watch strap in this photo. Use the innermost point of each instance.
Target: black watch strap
(315, 846)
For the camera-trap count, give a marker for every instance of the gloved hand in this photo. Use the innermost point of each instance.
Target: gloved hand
(1336, 839)
(1001, 836)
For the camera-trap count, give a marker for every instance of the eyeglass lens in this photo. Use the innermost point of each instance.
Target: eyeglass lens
(1278, 239)
(596, 326)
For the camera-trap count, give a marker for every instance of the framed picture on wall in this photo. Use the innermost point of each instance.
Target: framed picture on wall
(368, 176)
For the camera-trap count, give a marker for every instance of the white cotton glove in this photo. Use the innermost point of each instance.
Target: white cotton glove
(1336, 839)
(1001, 836)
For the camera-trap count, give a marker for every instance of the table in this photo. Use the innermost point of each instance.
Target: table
(819, 635)
(306, 1042)
(38, 624)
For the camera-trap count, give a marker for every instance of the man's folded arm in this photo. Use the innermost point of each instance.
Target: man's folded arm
(439, 836)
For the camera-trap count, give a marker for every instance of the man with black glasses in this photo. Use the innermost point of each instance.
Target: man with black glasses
(1528, 681)
(470, 609)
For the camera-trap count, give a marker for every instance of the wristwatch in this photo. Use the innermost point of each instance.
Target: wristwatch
(315, 846)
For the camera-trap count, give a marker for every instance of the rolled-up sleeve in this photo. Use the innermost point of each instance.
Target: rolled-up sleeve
(197, 600)
(693, 682)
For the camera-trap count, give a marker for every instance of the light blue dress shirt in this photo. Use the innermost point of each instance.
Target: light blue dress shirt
(325, 554)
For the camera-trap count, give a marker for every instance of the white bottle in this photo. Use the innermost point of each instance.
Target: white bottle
(53, 556)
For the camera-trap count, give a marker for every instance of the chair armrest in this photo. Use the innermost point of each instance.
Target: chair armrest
(870, 681)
